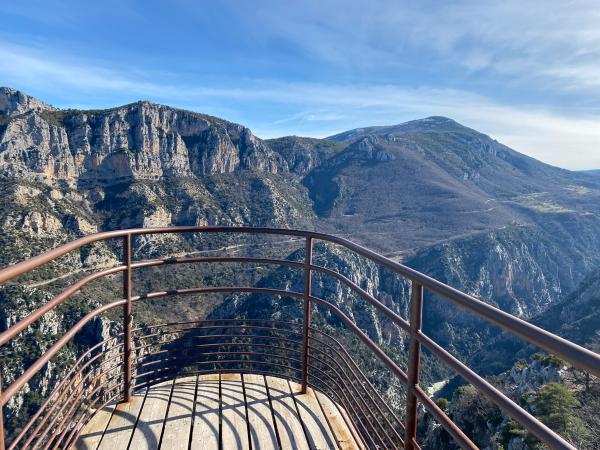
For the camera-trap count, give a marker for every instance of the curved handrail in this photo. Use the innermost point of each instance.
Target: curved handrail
(573, 353)
(578, 356)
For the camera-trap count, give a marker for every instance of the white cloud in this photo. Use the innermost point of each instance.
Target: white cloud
(554, 41)
(562, 139)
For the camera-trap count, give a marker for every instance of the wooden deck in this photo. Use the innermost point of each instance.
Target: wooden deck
(228, 411)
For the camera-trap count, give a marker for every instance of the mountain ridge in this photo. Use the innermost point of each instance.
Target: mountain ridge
(141, 140)
(440, 197)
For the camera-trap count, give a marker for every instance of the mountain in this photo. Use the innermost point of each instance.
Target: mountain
(436, 195)
(390, 181)
(140, 141)
(442, 197)
(74, 172)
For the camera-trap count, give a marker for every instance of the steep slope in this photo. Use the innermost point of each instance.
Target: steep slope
(443, 198)
(577, 318)
(304, 154)
(521, 269)
(426, 181)
(137, 141)
(64, 173)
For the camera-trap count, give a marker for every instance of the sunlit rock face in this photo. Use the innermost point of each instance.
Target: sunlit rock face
(137, 141)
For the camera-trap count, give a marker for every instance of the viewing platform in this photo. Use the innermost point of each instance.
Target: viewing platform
(229, 411)
(261, 381)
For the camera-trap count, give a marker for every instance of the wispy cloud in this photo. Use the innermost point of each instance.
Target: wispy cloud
(554, 41)
(274, 108)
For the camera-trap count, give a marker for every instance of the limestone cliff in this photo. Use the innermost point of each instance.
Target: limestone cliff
(137, 141)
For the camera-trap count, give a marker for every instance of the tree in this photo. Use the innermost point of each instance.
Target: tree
(555, 405)
(442, 403)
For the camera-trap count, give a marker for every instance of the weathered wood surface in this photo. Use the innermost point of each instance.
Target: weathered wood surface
(234, 411)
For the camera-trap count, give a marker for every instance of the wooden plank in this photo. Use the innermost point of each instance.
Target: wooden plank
(351, 427)
(179, 419)
(233, 413)
(205, 431)
(337, 423)
(152, 417)
(122, 423)
(289, 427)
(92, 434)
(260, 418)
(317, 429)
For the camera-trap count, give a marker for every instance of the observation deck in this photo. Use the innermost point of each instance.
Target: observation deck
(260, 382)
(206, 412)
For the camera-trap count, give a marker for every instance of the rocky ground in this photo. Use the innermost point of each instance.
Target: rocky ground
(440, 197)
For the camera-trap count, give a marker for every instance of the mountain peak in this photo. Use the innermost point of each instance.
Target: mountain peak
(431, 123)
(435, 119)
(14, 101)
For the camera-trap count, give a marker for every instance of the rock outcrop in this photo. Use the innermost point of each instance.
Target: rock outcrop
(442, 198)
(138, 141)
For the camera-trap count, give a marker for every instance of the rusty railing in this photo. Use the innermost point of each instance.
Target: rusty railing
(110, 370)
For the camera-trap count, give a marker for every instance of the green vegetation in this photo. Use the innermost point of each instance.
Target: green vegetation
(513, 429)
(555, 406)
(442, 403)
(548, 360)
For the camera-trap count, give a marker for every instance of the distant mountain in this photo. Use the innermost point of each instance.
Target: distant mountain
(593, 172)
(433, 123)
(132, 142)
(438, 172)
(441, 197)
(445, 198)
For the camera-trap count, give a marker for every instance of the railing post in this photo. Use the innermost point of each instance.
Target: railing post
(1, 418)
(127, 319)
(307, 295)
(414, 362)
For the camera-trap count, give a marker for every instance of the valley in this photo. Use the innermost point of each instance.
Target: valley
(439, 197)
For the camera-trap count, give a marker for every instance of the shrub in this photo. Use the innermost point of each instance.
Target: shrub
(555, 406)
(443, 403)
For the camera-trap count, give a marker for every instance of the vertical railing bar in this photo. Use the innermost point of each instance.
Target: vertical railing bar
(127, 317)
(307, 295)
(1, 418)
(414, 362)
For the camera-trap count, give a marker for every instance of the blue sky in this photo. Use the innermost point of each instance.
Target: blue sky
(527, 73)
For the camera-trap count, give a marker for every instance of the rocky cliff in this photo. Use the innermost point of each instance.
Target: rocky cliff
(132, 142)
(558, 395)
(440, 197)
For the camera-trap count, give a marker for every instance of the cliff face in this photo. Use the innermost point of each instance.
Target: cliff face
(137, 141)
(526, 383)
(440, 197)
(390, 290)
(17, 102)
(577, 317)
(20, 353)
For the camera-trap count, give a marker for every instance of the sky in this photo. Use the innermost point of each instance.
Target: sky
(526, 73)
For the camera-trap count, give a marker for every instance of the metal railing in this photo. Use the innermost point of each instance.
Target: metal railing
(112, 369)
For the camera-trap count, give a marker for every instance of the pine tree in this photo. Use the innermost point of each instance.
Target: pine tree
(555, 405)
